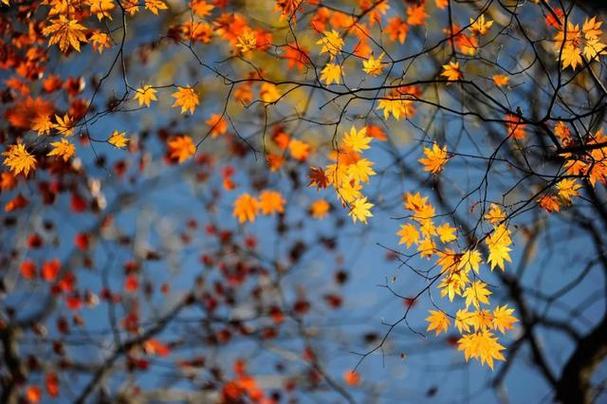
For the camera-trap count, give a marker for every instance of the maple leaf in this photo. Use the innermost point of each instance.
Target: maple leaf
(186, 98)
(470, 260)
(503, 320)
(181, 148)
(498, 243)
(155, 5)
(462, 321)
(452, 72)
(571, 56)
(62, 148)
(118, 139)
(299, 149)
(453, 285)
(480, 26)
(247, 41)
(271, 202)
(426, 248)
(269, 93)
(495, 215)
(361, 170)
(19, 160)
(102, 8)
(360, 210)
(416, 15)
(66, 33)
(408, 235)
(357, 140)
(331, 43)
(373, 66)
(64, 125)
(446, 233)
(438, 322)
(435, 160)
(500, 80)
(569, 40)
(145, 95)
(319, 208)
(568, 188)
(245, 208)
(477, 294)
(201, 8)
(42, 124)
(317, 177)
(331, 73)
(482, 346)
(397, 29)
(218, 125)
(100, 41)
(549, 203)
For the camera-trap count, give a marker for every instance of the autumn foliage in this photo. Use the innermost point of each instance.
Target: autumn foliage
(189, 187)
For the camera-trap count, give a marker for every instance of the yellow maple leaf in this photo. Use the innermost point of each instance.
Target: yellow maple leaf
(462, 321)
(102, 8)
(498, 243)
(201, 8)
(503, 320)
(271, 202)
(247, 41)
(186, 98)
(42, 124)
(299, 149)
(145, 95)
(495, 215)
(245, 208)
(331, 43)
(331, 73)
(269, 93)
(408, 235)
(181, 148)
(480, 26)
(360, 210)
(155, 5)
(361, 170)
(477, 294)
(373, 66)
(66, 33)
(452, 72)
(64, 125)
(446, 233)
(568, 188)
(357, 140)
(62, 148)
(100, 41)
(19, 160)
(482, 346)
(470, 260)
(438, 322)
(435, 160)
(118, 139)
(426, 248)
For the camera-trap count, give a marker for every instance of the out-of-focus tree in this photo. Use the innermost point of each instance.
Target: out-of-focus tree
(194, 193)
